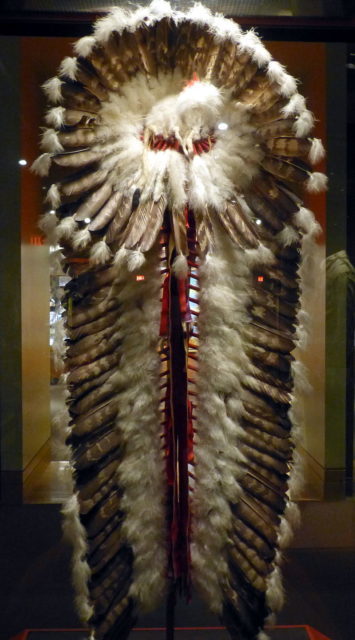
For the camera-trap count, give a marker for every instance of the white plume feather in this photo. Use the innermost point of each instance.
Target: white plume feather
(66, 228)
(317, 151)
(317, 182)
(55, 117)
(305, 219)
(53, 196)
(42, 164)
(135, 260)
(47, 223)
(50, 141)
(68, 67)
(250, 43)
(180, 266)
(84, 46)
(304, 123)
(52, 89)
(100, 253)
(288, 236)
(82, 239)
(277, 73)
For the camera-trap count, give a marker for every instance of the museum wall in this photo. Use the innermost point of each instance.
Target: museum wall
(296, 56)
(34, 271)
(10, 265)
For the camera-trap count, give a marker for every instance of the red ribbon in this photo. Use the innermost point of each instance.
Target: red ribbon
(190, 434)
(164, 316)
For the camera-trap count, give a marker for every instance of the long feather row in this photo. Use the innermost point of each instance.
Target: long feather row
(141, 473)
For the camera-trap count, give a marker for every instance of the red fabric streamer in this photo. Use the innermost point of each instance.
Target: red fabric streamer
(164, 316)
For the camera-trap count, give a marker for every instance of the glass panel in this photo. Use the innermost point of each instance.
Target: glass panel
(321, 69)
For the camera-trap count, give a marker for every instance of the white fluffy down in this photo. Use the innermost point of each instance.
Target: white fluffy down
(42, 165)
(180, 266)
(189, 114)
(317, 182)
(50, 141)
(53, 196)
(47, 223)
(223, 296)
(81, 239)
(75, 533)
(66, 229)
(52, 89)
(141, 473)
(100, 253)
(317, 151)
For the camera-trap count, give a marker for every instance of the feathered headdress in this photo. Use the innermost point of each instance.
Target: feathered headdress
(178, 151)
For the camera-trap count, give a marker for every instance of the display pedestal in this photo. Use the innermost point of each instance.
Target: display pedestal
(295, 632)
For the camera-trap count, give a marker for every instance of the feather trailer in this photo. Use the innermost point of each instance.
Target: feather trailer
(183, 152)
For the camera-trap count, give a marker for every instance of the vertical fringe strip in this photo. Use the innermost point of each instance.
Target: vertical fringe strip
(141, 471)
(224, 278)
(222, 361)
(291, 516)
(76, 534)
